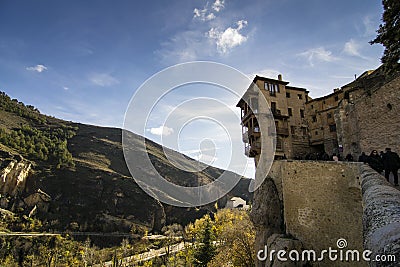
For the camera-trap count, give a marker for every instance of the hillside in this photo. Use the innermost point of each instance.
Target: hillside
(73, 177)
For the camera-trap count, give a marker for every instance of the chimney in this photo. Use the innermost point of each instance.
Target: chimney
(280, 77)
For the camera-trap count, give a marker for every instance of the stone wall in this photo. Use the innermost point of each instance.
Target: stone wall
(322, 203)
(319, 202)
(381, 216)
(369, 119)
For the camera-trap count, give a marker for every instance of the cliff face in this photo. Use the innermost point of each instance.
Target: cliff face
(14, 171)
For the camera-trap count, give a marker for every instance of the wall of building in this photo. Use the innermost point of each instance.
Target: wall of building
(369, 119)
(320, 118)
(320, 201)
(299, 143)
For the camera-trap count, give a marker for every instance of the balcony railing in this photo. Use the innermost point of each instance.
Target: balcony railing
(245, 137)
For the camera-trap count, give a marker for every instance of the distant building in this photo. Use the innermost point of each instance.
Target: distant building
(237, 203)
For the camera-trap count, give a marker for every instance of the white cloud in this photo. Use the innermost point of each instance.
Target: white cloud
(352, 48)
(65, 88)
(317, 54)
(184, 46)
(162, 130)
(370, 26)
(218, 5)
(39, 68)
(103, 79)
(203, 15)
(229, 38)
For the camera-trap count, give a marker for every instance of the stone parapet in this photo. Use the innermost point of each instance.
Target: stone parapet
(381, 216)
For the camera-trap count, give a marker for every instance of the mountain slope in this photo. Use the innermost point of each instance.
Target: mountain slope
(79, 179)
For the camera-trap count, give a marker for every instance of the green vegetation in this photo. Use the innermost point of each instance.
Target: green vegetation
(389, 35)
(19, 108)
(227, 239)
(54, 250)
(47, 145)
(206, 249)
(35, 139)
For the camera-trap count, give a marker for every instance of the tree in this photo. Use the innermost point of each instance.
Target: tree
(206, 249)
(389, 35)
(235, 235)
(173, 233)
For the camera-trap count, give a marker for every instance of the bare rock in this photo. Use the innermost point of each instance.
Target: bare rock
(13, 175)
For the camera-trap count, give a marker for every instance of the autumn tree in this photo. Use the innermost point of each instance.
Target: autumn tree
(235, 236)
(389, 35)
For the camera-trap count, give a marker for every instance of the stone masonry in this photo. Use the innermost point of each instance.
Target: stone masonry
(369, 119)
(319, 203)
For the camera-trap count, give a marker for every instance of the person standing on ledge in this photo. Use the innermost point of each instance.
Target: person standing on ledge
(391, 163)
(375, 161)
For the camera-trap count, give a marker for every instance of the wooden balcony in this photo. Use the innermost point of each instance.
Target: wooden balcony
(253, 149)
(245, 137)
(279, 131)
(282, 131)
(278, 114)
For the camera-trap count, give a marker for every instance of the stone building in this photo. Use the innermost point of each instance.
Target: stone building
(287, 105)
(321, 122)
(352, 119)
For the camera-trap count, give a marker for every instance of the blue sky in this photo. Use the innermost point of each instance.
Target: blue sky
(83, 60)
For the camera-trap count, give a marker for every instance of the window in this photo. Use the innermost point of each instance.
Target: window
(312, 106)
(329, 115)
(323, 102)
(314, 118)
(272, 88)
(279, 143)
(300, 96)
(304, 130)
(290, 112)
(273, 107)
(293, 130)
(316, 132)
(332, 128)
(301, 113)
(336, 98)
(287, 95)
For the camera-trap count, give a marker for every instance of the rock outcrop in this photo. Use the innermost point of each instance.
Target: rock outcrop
(14, 171)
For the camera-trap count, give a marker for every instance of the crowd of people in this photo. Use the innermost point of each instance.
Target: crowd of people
(387, 161)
